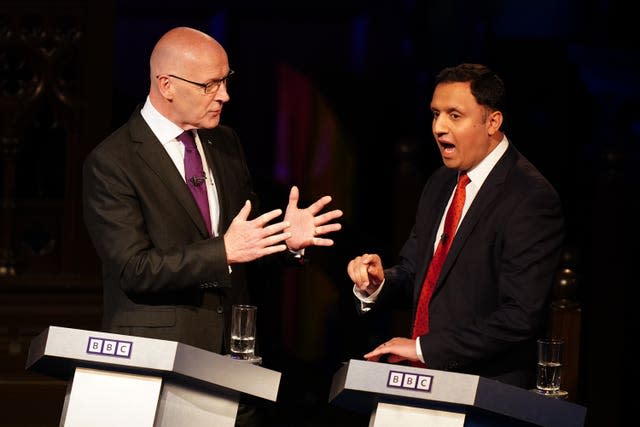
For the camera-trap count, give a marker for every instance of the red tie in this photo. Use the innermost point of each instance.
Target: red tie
(421, 323)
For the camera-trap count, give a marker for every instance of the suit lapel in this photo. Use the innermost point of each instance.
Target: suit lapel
(216, 164)
(155, 156)
(489, 191)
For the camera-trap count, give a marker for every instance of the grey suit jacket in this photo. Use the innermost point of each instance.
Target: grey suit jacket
(491, 299)
(147, 230)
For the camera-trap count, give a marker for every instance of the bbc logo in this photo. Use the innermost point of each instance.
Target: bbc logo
(107, 347)
(410, 381)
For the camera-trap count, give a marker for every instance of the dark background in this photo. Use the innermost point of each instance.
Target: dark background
(71, 73)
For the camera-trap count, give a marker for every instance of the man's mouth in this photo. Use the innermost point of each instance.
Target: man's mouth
(447, 147)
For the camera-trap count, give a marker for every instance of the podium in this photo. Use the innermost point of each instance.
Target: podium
(398, 395)
(126, 380)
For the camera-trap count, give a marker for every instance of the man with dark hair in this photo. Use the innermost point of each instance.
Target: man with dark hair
(479, 262)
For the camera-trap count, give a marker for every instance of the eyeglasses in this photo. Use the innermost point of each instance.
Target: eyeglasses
(210, 87)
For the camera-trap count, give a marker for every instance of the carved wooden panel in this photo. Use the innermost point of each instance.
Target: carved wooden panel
(47, 92)
(55, 105)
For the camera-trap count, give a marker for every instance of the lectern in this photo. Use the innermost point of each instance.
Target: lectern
(123, 380)
(405, 396)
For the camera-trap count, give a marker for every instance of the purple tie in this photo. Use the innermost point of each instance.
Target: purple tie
(195, 176)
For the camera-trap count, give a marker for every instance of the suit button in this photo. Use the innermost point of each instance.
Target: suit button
(208, 285)
(219, 310)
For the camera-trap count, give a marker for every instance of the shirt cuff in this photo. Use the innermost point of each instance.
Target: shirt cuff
(367, 301)
(419, 350)
(298, 255)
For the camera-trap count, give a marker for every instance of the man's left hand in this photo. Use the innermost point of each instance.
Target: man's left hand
(307, 225)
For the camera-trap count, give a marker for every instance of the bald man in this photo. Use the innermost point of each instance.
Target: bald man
(170, 270)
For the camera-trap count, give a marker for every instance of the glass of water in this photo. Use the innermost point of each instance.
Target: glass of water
(549, 369)
(243, 332)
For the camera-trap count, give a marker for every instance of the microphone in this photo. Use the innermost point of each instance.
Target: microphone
(443, 238)
(198, 180)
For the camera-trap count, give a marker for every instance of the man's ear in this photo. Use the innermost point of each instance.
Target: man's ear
(494, 122)
(165, 87)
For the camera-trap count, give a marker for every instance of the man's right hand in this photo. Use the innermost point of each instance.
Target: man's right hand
(246, 241)
(366, 272)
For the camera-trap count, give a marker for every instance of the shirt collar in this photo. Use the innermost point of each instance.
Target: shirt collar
(164, 129)
(480, 172)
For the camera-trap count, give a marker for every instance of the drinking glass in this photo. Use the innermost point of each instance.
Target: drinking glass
(243, 332)
(549, 369)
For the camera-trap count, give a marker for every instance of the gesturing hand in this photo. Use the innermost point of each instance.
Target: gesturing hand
(366, 272)
(246, 241)
(306, 224)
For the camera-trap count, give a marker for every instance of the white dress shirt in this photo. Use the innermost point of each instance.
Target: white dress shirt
(167, 132)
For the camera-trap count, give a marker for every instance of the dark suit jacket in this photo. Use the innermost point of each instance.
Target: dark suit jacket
(148, 232)
(491, 300)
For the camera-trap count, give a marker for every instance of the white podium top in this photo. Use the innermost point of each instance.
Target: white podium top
(360, 385)
(57, 351)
